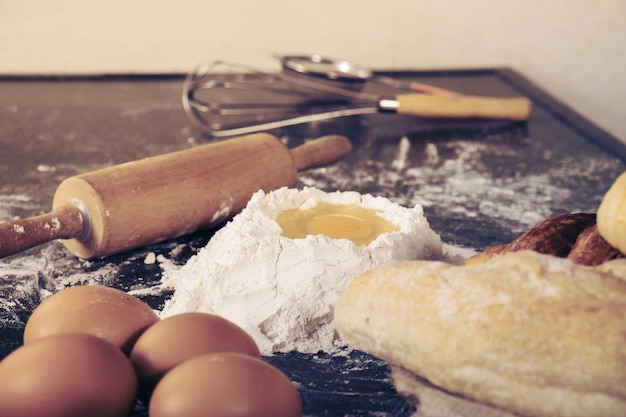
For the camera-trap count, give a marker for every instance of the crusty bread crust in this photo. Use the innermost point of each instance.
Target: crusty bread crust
(574, 236)
(531, 333)
(592, 249)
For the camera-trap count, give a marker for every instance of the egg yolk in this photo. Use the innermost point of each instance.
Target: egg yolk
(348, 221)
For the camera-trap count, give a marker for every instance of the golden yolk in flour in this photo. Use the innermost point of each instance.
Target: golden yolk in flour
(349, 221)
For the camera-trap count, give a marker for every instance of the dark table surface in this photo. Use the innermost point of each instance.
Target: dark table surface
(481, 183)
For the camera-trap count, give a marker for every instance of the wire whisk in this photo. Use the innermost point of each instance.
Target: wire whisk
(225, 99)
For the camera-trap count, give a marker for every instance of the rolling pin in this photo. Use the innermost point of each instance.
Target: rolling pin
(139, 203)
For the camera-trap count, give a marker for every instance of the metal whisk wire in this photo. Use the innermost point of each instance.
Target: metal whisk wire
(224, 99)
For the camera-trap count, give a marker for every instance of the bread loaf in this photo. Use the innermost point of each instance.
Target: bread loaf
(534, 334)
(612, 214)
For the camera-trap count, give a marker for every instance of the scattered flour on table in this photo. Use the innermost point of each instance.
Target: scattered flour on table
(27, 279)
(452, 177)
(282, 291)
(11, 202)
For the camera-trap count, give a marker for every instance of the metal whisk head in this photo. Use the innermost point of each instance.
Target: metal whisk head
(224, 99)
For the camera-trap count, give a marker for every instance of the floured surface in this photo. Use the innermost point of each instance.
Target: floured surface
(481, 183)
(470, 200)
(282, 290)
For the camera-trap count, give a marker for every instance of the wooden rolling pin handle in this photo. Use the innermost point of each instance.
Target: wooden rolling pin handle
(321, 151)
(64, 222)
(464, 106)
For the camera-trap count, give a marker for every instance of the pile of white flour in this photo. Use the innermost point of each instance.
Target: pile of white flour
(282, 291)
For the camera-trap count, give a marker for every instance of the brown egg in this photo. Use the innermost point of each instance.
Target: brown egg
(68, 375)
(111, 314)
(178, 338)
(225, 385)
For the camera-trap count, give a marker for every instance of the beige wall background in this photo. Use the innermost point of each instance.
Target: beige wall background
(574, 49)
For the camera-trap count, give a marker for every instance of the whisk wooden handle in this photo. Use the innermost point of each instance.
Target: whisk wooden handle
(464, 106)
